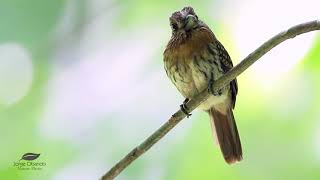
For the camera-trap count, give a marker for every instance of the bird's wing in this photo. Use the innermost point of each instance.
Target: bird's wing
(226, 65)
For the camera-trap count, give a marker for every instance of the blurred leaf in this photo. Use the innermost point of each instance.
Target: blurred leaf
(135, 13)
(312, 59)
(28, 22)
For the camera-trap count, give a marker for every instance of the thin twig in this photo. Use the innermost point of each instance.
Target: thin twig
(196, 101)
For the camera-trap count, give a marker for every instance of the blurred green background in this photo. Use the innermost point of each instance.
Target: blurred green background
(82, 82)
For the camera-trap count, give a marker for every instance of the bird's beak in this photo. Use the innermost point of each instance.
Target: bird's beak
(190, 22)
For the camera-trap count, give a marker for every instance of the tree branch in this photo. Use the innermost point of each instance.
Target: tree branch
(196, 101)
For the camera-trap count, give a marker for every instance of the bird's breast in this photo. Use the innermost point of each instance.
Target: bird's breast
(192, 75)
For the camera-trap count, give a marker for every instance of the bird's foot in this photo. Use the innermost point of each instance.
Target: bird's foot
(210, 89)
(184, 107)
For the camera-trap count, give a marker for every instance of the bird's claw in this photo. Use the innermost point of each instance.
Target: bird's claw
(184, 107)
(210, 89)
(216, 93)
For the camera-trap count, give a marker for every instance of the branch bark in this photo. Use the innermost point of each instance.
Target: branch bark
(196, 101)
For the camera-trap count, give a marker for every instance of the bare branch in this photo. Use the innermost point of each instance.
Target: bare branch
(196, 101)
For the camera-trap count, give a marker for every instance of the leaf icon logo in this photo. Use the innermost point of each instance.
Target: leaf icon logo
(30, 156)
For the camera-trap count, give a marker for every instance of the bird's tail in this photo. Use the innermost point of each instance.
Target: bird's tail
(223, 123)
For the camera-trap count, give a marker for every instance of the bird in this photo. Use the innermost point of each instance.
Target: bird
(193, 60)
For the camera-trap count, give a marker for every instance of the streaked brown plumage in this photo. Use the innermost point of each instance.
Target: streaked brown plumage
(193, 58)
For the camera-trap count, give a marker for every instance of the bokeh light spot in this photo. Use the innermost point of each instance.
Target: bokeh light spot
(15, 73)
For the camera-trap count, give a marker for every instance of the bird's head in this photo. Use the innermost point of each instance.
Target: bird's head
(184, 21)
(189, 33)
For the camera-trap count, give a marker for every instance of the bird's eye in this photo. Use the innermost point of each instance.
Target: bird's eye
(174, 26)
